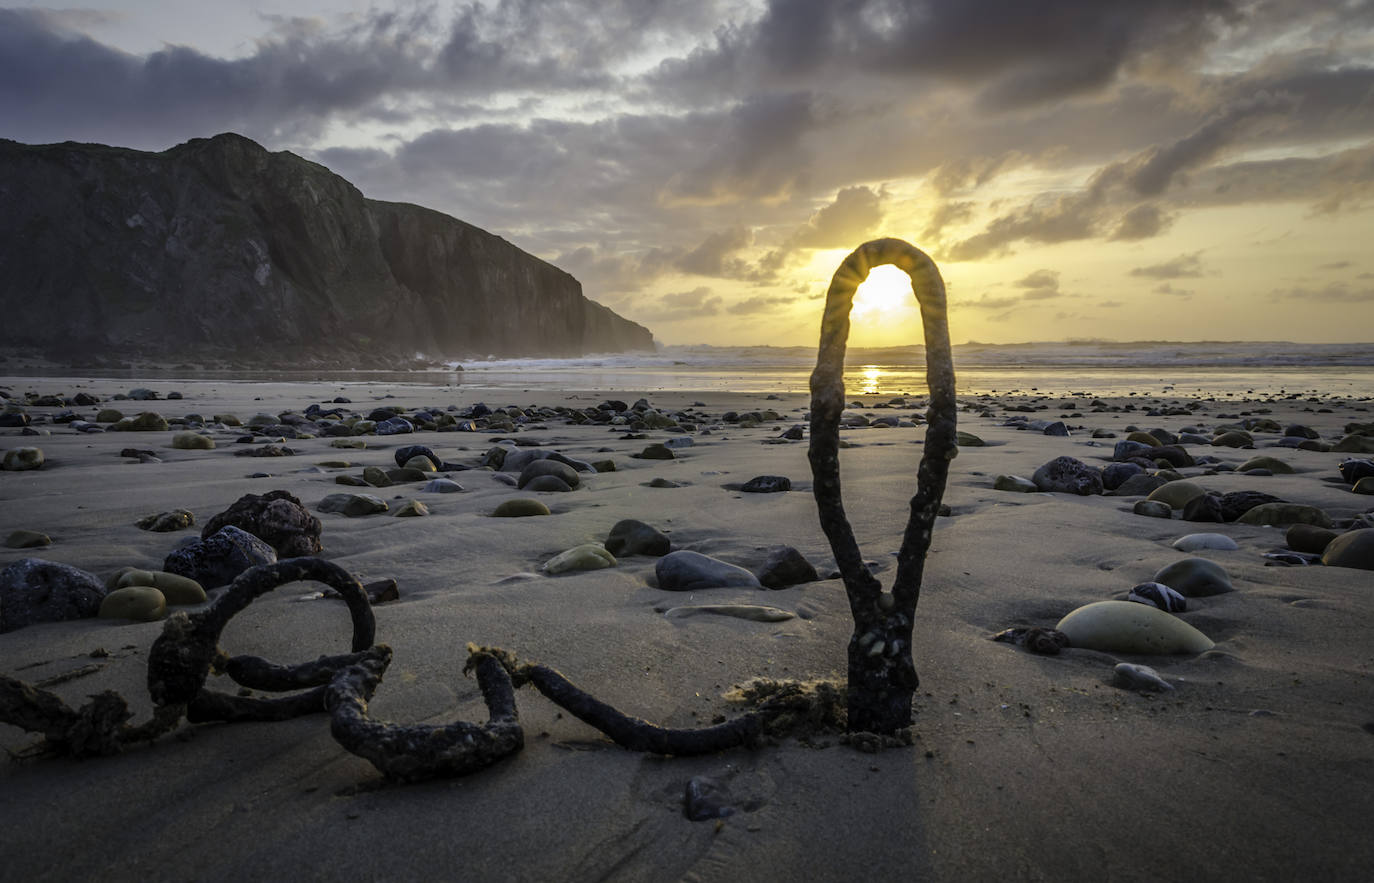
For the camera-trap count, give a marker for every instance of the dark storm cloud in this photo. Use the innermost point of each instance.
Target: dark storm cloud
(695, 304)
(713, 257)
(1141, 222)
(760, 304)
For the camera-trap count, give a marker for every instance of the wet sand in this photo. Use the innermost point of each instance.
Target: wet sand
(1259, 765)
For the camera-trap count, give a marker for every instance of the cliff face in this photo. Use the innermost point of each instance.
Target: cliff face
(218, 249)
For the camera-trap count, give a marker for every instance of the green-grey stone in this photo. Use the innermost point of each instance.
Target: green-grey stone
(335, 464)
(1014, 483)
(1236, 438)
(1176, 493)
(27, 539)
(348, 443)
(109, 415)
(1364, 485)
(23, 459)
(1355, 444)
(140, 603)
(520, 507)
(352, 505)
(1152, 509)
(406, 474)
(1273, 464)
(1353, 548)
(351, 481)
(165, 522)
(754, 612)
(365, 427)
(228, 419)
(657, 452)
(588, 556)
(604, 465)
(420, 462)
(192, 441)
(175, 588)
(412, 509)
(1127, 627)
(1285, 513)
(376, 476)
(1195, 578)
(969, 440)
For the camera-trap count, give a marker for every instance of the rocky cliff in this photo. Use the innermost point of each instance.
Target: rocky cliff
(218, 250)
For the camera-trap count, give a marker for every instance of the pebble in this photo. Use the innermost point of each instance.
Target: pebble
(352, 505)
(631, 537)
(754, 612)
(217, 559)
(1068, 475)
(1309, 538)
(139, 603)
(176, 589)
(1364, 485)
(22, 459)
(1194, 542)
(33, 590)
(656, 452)
(1123, 627)
(784, 567)
(411, 509)
(968, 440)
(1158, 595)
(277, 517)
(664, 483)
(442, 486)
(520, 507)
(1014, 484)
(588, 556)
(1272, 465)
(767, 484)
(1176, 493)
(27, 539)
(1140, 485)
(1152, 509)
(1353, 469)
(1285, 513)
(685, 570)
(192, 441)
(1351, 549)
(1195, 578)
(1138, 677)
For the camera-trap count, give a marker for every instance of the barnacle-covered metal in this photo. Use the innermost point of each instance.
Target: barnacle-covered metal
(882, 675)
(413, 753)
(188, 648)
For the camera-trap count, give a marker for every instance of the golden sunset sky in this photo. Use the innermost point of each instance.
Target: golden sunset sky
(1114, 169)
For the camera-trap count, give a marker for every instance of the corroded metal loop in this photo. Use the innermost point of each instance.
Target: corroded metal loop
(182, 656)
(412, 753)
(827, 404)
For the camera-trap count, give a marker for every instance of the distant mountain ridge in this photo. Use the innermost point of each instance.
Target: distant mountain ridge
(219, 250)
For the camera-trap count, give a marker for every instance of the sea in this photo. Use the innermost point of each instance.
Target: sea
(1148, 368)
(1252, 369)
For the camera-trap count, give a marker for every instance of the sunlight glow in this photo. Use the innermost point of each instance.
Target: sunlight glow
(884, 295)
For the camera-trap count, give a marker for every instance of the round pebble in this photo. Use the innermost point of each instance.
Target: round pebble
(139, 603)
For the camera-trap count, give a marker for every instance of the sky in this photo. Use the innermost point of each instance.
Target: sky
(1079, 169)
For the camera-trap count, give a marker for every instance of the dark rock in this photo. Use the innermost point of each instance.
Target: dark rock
(27, 539)
(405, 452)
(1067, 475)
(547, 483)
(1127, 449)
(1354, 469)
(1171, 454)
(1113, 474)
(1139, 485)
(1206, 507)
(395, 426)
(166, 522)
(1309, 538)
(550, 468)
(1158, 595)
(784, 567)
(1057, 428)
(217, 559)
(1195, 578)
(1224, 508)
(1297, 430)
(277, 517)
(656, 452)
(794, 433)
(630, 537)
(767, 484)
(706, 799)
(684, 571)
(33, 590)
(1351, 549)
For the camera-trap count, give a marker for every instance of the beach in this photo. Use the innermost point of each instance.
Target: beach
(1257, 765)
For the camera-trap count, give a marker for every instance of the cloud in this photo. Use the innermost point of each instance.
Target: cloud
(694, 304)
(1332, 292)
(760, 304)
(844, 223)
(1182, 267)
(1170, 289)
(1141, 222)
(1040, 281)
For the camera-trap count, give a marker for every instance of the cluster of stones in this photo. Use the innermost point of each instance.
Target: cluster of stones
(1149, 464)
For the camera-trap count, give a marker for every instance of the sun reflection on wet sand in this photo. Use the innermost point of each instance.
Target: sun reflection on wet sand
(868, 379)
